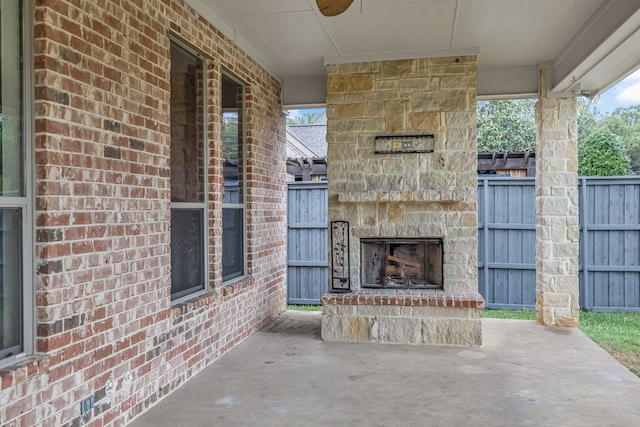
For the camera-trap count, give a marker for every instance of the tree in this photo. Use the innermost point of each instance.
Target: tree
(506, 125)
(306, 118)
(602, 154)
(606, 144)
(587, 120)
(625, 123)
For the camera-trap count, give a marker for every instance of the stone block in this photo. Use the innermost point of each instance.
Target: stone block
(386, 85)
(375, 109)
(565, 250)
(356, 329)
(456, 119)
(350, 83)
(454, 332)
(396, 330)
(395, 114)
(425, 122)
(347, 310)
(351, 111)
(440, 101)
(329, 309)
(553, 206)
(379, 310)
(396, 214)
(556, 300)
(388, 230)
(457, 81)
(415, 84)
(396, 69)
(331, 328)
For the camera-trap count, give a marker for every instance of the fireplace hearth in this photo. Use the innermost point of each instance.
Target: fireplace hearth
(401, 263)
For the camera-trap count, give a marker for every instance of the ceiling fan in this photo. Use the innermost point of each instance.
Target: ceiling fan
(333, 7)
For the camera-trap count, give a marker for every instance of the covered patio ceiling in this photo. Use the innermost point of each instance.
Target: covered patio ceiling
(587, 45)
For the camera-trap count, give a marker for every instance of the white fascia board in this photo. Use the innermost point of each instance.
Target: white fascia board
(304, 92)
(605, 38)
(508, 83)
(400, 55)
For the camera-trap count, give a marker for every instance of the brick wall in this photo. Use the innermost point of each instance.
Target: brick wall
(105, 322)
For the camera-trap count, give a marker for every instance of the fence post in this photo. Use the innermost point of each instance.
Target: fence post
(485, 241)
(584, 240)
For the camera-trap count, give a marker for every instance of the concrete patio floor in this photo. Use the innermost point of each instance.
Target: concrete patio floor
(524, 374)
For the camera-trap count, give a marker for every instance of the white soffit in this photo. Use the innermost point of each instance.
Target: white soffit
(591, 42)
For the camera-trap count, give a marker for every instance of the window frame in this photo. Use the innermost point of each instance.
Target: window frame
(203, 206)
(242, 116)
(25, 202)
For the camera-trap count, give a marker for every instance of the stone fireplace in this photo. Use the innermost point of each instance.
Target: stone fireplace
(410, 209)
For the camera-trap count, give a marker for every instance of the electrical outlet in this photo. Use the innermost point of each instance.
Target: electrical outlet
(87, 404)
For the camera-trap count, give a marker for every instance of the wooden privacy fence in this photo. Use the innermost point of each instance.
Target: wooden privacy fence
(609, 242)
(307, 266)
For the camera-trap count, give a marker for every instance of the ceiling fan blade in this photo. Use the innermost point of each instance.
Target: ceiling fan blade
(333, 7)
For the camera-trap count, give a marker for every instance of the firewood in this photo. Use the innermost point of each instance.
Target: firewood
(403, 271)
(404, 261)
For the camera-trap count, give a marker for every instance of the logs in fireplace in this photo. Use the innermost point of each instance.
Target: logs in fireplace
(401, 263)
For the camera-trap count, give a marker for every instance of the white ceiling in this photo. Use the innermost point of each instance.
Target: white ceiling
(587, 45)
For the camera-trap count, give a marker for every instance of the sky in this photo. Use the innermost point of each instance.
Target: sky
(624, 94)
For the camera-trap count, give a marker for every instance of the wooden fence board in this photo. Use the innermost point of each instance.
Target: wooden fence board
(609, 247)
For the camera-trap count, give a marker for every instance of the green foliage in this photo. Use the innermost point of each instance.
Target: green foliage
(307, 118)
(506, 125)
(587, 120)
(304, 307)
(509, 125)
(602, 154)
(625, 123)
(509, 314)
(231, 135)
(617, 330)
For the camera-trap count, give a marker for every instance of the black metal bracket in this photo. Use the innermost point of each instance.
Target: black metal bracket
(340, 276)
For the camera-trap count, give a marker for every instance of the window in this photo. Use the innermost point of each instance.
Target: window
(233, 212)
(16, 290)
(188, 178)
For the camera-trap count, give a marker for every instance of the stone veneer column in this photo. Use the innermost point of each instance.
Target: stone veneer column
(406, 195)
(557, 229)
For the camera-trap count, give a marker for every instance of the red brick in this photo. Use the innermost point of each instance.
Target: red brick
(96, 66)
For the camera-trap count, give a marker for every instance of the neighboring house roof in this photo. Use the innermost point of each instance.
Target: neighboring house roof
(297, 148)
(312, 136)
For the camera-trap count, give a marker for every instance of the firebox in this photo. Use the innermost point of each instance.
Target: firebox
(401, 263)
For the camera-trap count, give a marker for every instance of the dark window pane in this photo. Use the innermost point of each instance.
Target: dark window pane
(232, 191)
(187, 127)
(10, 282)
(232, 140)
(232, 243)
(187, 257)
(11, 100)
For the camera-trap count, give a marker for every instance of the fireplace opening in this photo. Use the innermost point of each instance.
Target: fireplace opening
(401, 263)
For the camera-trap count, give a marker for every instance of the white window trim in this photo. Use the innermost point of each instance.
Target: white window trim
(26, 202)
